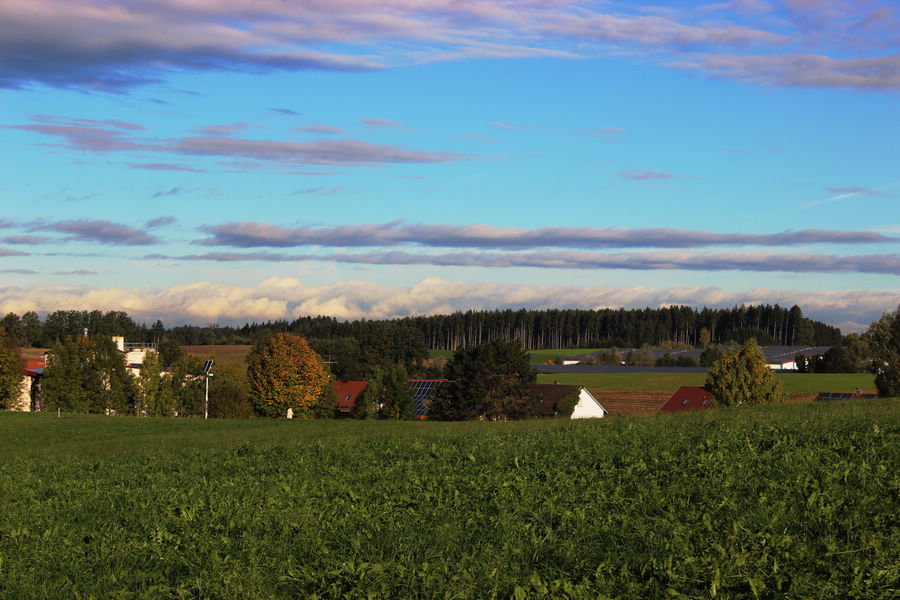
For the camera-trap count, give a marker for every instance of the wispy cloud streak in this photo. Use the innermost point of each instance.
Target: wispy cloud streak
(251, 234)
(886, 264)
(106, 140)
(100, 231)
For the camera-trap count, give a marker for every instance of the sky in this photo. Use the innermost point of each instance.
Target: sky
(232, 161)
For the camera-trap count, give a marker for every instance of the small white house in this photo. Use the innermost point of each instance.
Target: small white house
(587, 406)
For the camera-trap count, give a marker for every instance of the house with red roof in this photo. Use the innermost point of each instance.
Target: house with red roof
(347, 393)
(688, 397)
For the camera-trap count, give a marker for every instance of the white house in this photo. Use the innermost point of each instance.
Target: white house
(587, 406)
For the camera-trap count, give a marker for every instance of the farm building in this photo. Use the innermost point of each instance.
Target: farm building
(134, 353)
(587, 407)
(33, 362)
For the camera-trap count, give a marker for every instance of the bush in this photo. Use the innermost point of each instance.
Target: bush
(686, 361)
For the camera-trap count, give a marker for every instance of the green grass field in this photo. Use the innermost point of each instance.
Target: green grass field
(791, 382)
(539, 357)
(795, 501)
(222, 354)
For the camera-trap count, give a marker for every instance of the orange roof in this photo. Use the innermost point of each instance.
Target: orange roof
(687, 397)
(347, 393)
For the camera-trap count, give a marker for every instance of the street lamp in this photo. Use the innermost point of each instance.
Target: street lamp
(206, 367)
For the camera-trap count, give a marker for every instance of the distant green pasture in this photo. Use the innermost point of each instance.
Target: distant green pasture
(792, 382)
(539, 357)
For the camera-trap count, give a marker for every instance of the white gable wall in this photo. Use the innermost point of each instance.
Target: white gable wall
(587, 407)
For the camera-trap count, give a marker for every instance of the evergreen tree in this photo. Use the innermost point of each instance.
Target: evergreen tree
(743, 377)
(396, 398)
(489, 381)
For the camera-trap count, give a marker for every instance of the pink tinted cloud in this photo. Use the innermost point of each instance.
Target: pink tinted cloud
(638, 175)
(117, 44)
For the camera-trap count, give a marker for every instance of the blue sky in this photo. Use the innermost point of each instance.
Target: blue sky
(232, 161)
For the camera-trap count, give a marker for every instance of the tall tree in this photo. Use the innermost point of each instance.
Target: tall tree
(286, 372)
(155, 396)
(34, 330)
(743, 377)
(490, 381)
(66, 384)
(10, 371)
(115, 384)
(229, 393)
(395, 400)
(86, 375)
(883, 340)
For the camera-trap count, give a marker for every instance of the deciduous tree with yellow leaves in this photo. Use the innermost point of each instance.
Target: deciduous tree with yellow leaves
(286, 372)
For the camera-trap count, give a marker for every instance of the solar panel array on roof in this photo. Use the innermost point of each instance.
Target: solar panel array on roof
(421, 389)
(829, 396)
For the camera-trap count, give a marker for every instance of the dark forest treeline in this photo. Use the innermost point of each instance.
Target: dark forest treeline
(571, 328)
(403, 340)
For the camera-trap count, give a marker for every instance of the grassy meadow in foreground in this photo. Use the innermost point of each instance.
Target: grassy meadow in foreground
(791, 500)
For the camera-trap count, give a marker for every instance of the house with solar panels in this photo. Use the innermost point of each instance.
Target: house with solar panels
(348, 392)
(422, 389)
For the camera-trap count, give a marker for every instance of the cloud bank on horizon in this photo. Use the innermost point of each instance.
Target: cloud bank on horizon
(377, 159)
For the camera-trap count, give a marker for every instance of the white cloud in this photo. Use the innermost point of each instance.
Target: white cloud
(285, 297)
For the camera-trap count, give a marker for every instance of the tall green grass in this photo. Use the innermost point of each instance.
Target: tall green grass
(793, 501)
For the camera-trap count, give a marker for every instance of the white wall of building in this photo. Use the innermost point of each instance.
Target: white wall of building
(587, 407)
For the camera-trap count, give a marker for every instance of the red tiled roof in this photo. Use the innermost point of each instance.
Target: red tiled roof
(347, 393)
(635, 403)
(688, 397)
